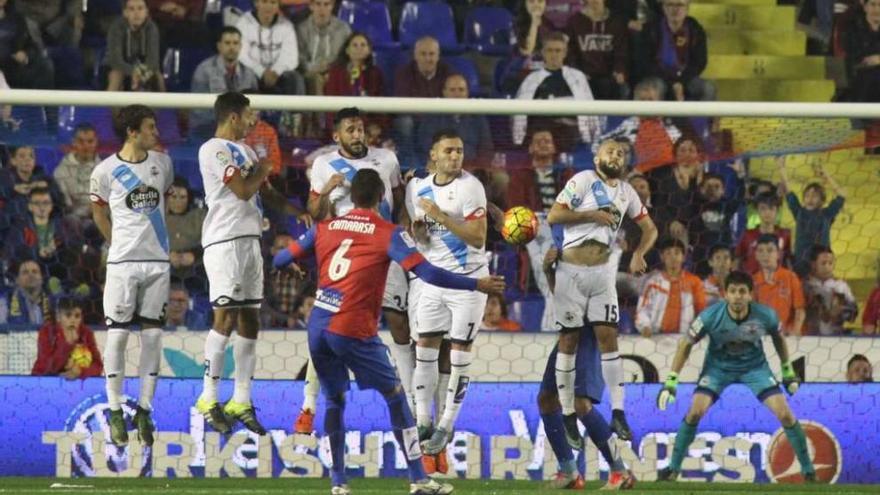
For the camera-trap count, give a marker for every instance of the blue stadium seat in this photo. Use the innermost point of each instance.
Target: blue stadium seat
(466, 68)
(186, 165)
(33, 121)
(179, 65)
(48, 157)
(169, 128)
(243, 5)
(489, 30)
(69, 67)
(100, 117)
(429, 19)
(387, 60)
(371, 18)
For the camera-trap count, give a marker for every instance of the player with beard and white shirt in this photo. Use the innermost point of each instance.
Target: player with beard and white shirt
(449, 222)
(330, 196)
(235, 186)
(590, 208)
(127, 191)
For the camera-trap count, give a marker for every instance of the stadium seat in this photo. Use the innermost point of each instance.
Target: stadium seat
(33, 121)
(243, 5)
(69, 67)
(429, 19)
(179, 65)
(466, 68)
(489, 30)
(186, 165)
(169, 127)
(100, 117)
(48, 157)
(387, 60)
(371, 18)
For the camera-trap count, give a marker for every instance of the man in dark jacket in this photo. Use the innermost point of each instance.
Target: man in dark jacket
(674, 49)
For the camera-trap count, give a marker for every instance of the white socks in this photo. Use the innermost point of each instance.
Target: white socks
(245, 352)
(148, 368)
(114, 365)
(424, 382)
(311, 388)
(565, 372)
(405, 361)
(215, 346)
(440, 395)
(612, 372)
(459, 380)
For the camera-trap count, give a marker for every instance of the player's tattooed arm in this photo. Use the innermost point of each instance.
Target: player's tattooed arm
(101, 216)
(562, 214)
(278, 202)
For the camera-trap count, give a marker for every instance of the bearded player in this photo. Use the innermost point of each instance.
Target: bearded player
(235, 185)
(354, 251)
(590, 208)
(735, 328)
(127, 191)
(330, 196)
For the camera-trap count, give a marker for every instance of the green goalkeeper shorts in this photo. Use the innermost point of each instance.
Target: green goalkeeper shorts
(760, 381)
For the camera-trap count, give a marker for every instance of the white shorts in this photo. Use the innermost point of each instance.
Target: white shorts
(396, 289)
(585, 290)
(235, 273)
(136, 292)
(458, 312)
(415, 292)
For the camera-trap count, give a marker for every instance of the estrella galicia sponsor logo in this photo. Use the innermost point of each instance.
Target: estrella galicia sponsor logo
(143, 199)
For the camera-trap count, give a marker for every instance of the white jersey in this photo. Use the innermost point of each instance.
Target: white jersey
(587, 192)
(462, 199)
(228, 216)
(136, 195)
(378, 159)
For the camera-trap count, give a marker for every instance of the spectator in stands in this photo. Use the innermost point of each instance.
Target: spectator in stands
(495, 316)
(184, 222)
(721, 262)
(180, 22)
(768, 212)
(812, 219)
(599, 47)
(652, 138)
(74, 170)
(321, 37)
(304, 308)
(830, 301)
(263, 138)
(132, 58)
(674, 49)
(862, 46)
(778, 287)
(283, 289)
(755, 189)
(671, 297)
(353, 73)
(871, 317)
(423, 77)
(60, 21)
(531, 26)
(67, 347)
(535, 185)
(179, 315)
(218, 74)
(16, 183)
(27, 303)
(40, 235)
(473, 129)
(859, 369)
(269, 48)
(715, 213)
(676, 189)
(22, 56)
(556, 81)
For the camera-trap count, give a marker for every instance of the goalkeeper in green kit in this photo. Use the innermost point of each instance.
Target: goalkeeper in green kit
(735, 328)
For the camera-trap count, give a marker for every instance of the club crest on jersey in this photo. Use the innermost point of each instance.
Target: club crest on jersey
(143, 199)
(154, 171)
(223, 158)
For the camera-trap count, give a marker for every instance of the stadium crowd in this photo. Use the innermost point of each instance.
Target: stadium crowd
(712, 215)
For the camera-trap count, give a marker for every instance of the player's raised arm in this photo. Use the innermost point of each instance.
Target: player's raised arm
(296, 249)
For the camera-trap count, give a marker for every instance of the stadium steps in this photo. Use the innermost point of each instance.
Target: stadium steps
(816, 90)
(765, 67)
(767, 17)
(734, 41)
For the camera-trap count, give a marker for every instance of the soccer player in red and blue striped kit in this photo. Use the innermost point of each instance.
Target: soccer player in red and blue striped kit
(353, 252)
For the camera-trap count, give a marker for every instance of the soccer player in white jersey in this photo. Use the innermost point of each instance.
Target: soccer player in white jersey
(591, 209)
(330, 196)
(449, 220)
(235, 187)
(128, 191)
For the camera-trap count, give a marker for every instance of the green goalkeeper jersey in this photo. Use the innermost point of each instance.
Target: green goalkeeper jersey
(734, 345)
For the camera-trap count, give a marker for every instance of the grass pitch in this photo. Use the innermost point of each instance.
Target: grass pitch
(360, 486)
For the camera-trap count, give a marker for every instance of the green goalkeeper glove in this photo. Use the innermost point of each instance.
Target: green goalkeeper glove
(667, 393)
(790, 379)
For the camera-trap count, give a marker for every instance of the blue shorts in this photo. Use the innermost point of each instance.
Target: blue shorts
(588, 381)
(760, 380)
(369, 360)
